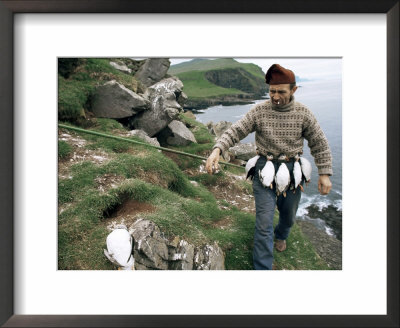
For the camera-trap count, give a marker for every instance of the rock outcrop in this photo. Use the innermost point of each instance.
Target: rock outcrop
(226, 100)
(152, 251)
(176, 134)
(209, 257)
(121, 67)
(238, 78)
(152, 71)
(330, 215)
(182, 99)
(164, 107)
(113, 100)
(243, 151)
(143, 135)
(219, 128)
(328, 247)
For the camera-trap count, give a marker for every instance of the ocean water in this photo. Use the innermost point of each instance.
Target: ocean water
(324, 99)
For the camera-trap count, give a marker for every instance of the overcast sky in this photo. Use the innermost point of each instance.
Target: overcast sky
(306, 68)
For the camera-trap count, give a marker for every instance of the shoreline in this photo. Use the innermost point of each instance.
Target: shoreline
(198, 104)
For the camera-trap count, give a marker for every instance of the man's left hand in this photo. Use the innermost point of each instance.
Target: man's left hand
(324, 184)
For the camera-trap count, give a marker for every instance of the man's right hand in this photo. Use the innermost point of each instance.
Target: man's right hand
(212, 161)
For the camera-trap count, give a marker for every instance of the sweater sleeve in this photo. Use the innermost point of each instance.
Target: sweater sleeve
(237, 131)
(318, 144)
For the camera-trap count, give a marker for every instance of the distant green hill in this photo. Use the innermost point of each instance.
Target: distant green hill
(220, 81)
(201, 64)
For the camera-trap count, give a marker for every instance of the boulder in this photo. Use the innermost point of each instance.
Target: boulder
(143, 135)
(150, 249)
(123, 68)
(152, 71)
(177, 134)
(244, 151)
(221, 127)
(182, 98)
(209, 257)
(113, 100)
(164, 107)
(153, 251)
(210, 128)
(181, 255)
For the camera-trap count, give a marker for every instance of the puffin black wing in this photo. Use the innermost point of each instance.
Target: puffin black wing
(251, 173)
(291, 177)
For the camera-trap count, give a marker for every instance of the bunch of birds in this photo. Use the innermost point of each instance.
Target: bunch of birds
(283, 178)
(120, 248)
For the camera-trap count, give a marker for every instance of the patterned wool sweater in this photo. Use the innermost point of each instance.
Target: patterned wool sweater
(281, 130)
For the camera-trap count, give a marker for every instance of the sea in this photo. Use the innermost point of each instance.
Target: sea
(324, 98)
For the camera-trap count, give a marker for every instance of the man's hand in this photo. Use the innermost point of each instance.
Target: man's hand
(212, 161)
(324, 184)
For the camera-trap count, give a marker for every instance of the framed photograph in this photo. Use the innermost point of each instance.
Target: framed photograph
(363, 39)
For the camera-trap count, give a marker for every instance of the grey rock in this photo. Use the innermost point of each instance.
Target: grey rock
(123, 68)
(180, 135)
(139, 266)
(143, 135)
(210, 127)
(328, 247)
(152, 251)
(182, 98)
(164, 107)
(220, 127)
(243, 151)
(113, 100)
(152, 71)
(181, 256)
(150, 247)
(209, 257)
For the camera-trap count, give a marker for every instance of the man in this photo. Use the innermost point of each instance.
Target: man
(281, 124)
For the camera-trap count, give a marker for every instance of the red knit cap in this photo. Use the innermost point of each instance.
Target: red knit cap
(277, 74)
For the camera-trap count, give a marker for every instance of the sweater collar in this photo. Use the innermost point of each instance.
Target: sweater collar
(283, 108)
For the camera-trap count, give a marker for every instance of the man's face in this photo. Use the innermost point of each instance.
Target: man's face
(280, 93)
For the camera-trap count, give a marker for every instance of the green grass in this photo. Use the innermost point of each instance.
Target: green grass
(108, 125)
(64, 149)
(239, 80)
(205, 142)
(207, 64)
(75, 91)
(183, 210)
(197, 86)
(299, 254)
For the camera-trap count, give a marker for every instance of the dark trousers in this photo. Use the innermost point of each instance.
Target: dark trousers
(266, 200)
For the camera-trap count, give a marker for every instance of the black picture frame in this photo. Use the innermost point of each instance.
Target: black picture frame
(10, 7)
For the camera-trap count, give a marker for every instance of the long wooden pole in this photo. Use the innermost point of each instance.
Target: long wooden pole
(104, 135)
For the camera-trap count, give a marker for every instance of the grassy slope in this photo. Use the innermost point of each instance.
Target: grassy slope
(206, 64)
(73, 93)
(197, 86)
(183, 210)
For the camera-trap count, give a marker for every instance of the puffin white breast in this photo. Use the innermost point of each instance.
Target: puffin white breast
(282, 178)
(296, 174)
(267, 174)
(251, 163)
(119, 248)
(306, 168)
